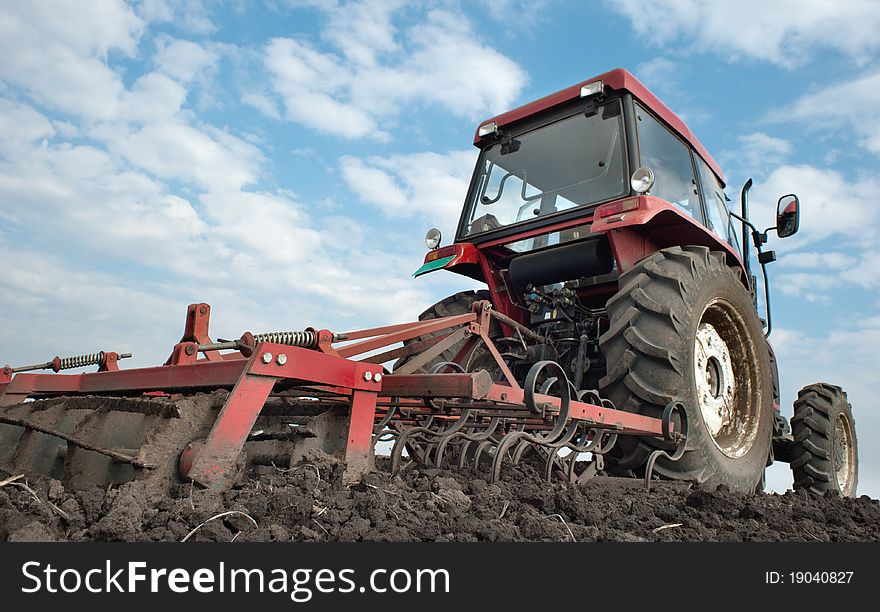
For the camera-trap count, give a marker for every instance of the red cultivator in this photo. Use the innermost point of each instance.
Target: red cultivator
(205, 414)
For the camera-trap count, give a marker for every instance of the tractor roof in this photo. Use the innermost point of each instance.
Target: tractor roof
(618, 79)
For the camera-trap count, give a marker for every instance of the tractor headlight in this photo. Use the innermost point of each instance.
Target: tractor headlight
(432, 238)
(642, 180)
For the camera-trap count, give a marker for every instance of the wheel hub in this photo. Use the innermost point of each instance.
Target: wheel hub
(713, 373)
(843, 456)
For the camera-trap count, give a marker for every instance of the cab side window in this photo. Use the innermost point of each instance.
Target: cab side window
(670, 159)
(718, 217)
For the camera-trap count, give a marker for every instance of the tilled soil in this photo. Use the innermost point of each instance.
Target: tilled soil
(309, 503)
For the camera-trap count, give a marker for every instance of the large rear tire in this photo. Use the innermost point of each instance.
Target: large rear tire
(683, 327)
(825, 455)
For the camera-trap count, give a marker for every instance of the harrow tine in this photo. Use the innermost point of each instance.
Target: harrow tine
(572, 460)
(680, 438)
(462, 459)
(502, 450)
(480, 450)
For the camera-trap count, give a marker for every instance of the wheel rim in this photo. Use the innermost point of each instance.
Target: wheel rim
(725, 372)
(844, 455)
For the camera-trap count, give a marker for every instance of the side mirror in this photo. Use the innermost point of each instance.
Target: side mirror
(788, 215)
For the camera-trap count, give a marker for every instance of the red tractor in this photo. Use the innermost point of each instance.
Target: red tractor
(599, 222)
(619, 335)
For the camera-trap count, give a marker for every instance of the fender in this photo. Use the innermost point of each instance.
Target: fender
(461, 258)
(641, 225)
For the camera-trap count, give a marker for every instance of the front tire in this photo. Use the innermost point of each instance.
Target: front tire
(683, 327)
(825, 455)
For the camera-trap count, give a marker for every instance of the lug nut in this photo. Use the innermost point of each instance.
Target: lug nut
(378, 377)
(368, 376)
(281, 359)
(267, 357)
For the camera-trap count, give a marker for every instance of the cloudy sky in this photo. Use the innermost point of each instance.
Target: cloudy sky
(282, 160)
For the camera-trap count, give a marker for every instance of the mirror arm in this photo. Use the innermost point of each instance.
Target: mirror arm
(745, 222)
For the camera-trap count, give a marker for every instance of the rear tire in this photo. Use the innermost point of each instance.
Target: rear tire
(683, 327)
(825, 455)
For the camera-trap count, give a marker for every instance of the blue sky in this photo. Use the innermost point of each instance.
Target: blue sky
(282, 160)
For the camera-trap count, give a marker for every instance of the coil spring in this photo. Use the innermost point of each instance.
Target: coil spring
(305, 339)
(80, 361)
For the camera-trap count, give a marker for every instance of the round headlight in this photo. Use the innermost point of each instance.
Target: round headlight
(432, 238)
(642, 180)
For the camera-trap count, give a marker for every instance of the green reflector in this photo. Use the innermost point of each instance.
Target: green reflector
(433, 265)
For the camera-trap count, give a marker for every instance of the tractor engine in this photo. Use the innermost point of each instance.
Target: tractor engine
(571, 331)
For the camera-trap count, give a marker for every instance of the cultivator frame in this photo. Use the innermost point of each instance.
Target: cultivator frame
(425, 413)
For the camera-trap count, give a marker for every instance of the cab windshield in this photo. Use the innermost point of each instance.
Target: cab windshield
(576, 161)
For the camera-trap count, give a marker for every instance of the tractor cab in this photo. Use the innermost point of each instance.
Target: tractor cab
(604, 150)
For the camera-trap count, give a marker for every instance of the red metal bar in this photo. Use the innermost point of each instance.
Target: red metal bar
(203, 375)
(198, 318)
(388, 329)
(213, 460)
(314, 367)
(482, 310)
(398, 333)
(474, 385)
(624, 422)
(359, 449)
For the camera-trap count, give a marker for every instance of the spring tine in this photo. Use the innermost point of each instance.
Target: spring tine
(402, 440)
(551, 461)
(441, 448)
(393, 410)
(572, 477)
(462, 459)
(480, 449)
(506, 442)
(519, 451)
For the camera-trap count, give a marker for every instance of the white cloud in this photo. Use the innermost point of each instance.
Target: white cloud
(831, 204)
(784, 33)
(515, 13)
(184, 60)
(865, 273)
(380, 69)
(828, 260)
(854, 103)
(659, 73)
(758, 150)
(261, 103)
(191, 16)
(56, 52)
(205, 156)
(430, 186)
(309, 81)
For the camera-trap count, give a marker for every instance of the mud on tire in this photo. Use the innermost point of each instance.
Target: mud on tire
(825, 453)
(654, 319)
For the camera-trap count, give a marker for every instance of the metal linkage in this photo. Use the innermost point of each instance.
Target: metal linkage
(68, 363)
